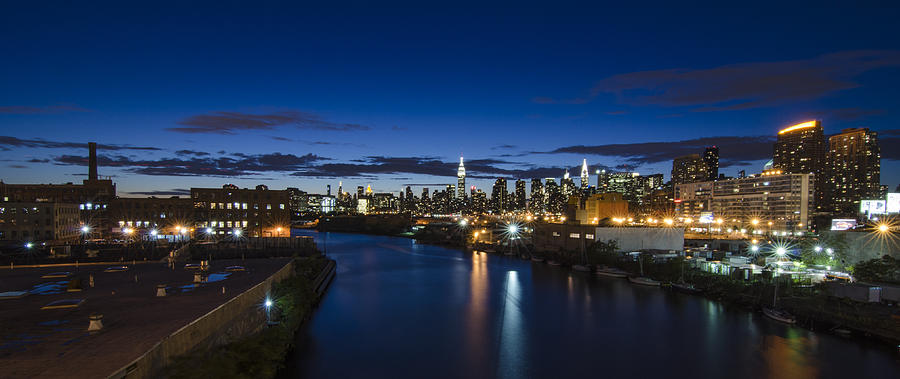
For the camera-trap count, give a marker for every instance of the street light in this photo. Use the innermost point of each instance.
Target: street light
(818, 249)
(883, 228)
(85, 229)
(29, 245)
(780, 251)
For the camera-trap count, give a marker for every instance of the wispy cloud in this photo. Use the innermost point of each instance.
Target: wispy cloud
(231, 122)
(228, 166)
(743, 85)
(51, 109)
(7, 142)
(734, 150)
(171, 192)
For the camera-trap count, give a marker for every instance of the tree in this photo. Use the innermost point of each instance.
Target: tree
(885, 269)
(603, 252)
(830, 249)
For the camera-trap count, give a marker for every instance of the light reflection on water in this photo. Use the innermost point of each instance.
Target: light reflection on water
(402, 309)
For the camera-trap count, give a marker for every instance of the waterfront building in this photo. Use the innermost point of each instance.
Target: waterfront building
(786, 201)
(143, 215)
(853, 171)
(599, 208)
(258, 212)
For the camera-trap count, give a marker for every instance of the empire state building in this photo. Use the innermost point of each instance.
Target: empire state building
(461, 180)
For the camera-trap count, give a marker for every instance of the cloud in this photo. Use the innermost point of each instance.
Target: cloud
(504, 147)
(372, 166)
(398, 128)
(743, 85)
(171, 192)
(550, 100)
(733, 150)
(17, 166)
(616, 113)
(52, 109)
(192, 152)
(278, 138)
(225, 166)
(230, 122)
(6, 142)
(889, 142)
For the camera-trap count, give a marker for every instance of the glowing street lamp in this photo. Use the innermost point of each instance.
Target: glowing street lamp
(153, 232)
(780, 251)
(883, 228)
(85, 229)
(29, 245)
(754, 248)
(669, 221)
(818, 249)
(754, 222)
(236, 232)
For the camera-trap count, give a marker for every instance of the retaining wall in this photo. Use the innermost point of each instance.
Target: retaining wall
(236, 318)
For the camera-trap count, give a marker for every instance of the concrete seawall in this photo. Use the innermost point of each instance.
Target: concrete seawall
(238, 317)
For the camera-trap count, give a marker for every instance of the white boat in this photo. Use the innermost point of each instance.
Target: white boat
(611, 272)
(537, 259)
(643, 281)
(779, 315)
(583, 268)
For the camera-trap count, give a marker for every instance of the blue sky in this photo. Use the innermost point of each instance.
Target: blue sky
(305, 95)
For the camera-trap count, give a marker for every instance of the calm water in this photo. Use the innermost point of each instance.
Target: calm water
(399, 309)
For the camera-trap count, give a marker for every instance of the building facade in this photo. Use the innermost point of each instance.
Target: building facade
(258, 212)
(853, 171)
(786, 201)
(33, 222)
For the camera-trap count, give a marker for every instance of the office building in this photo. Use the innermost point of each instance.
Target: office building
(461, 180)
(499, 196)
(519, 199)
(690, 168)
(537, 204)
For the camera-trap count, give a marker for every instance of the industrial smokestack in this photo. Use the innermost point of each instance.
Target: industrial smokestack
(92, 162)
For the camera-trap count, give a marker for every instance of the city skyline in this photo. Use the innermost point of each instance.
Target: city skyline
(176, 106)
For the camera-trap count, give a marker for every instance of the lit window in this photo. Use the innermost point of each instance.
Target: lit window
(589, 236)
(556, 234)
(244, 206)
(574, 235)
(228, 206)
(281, 206)
(268, 206)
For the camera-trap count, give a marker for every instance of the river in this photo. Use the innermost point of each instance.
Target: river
(400, 309)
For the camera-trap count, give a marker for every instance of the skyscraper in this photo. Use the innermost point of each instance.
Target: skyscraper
(461, 180)
(585, 177)
(602, 181)
(852, 171)
(537, 196)
(800, 149)
(520, 195)
(568, 186)
(711, 158)
(499, 196)
(690, 168)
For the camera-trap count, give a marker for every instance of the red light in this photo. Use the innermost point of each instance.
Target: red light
(677, 200)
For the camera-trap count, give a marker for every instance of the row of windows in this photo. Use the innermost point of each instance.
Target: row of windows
(240, 206)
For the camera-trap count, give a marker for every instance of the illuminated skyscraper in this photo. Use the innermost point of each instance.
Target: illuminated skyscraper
(801, 149)
(537, 196)
(499, 196)
(585, 177)
(852, 172)
(520, 195)
(461, 180)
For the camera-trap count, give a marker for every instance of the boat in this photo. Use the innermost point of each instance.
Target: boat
(537, 259)
(779, 315)
(553, 263)
(582, 268)
(611, 272)
(775, 313)
(686, 288)
(643, 281)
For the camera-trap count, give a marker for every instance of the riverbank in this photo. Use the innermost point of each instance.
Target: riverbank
(262, 354)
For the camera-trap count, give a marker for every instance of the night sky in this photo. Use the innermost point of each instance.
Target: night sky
(192, 95)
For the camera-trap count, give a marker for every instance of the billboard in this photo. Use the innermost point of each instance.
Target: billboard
(843, 224)
(872, 207)
(893, 202)
(706, 217)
